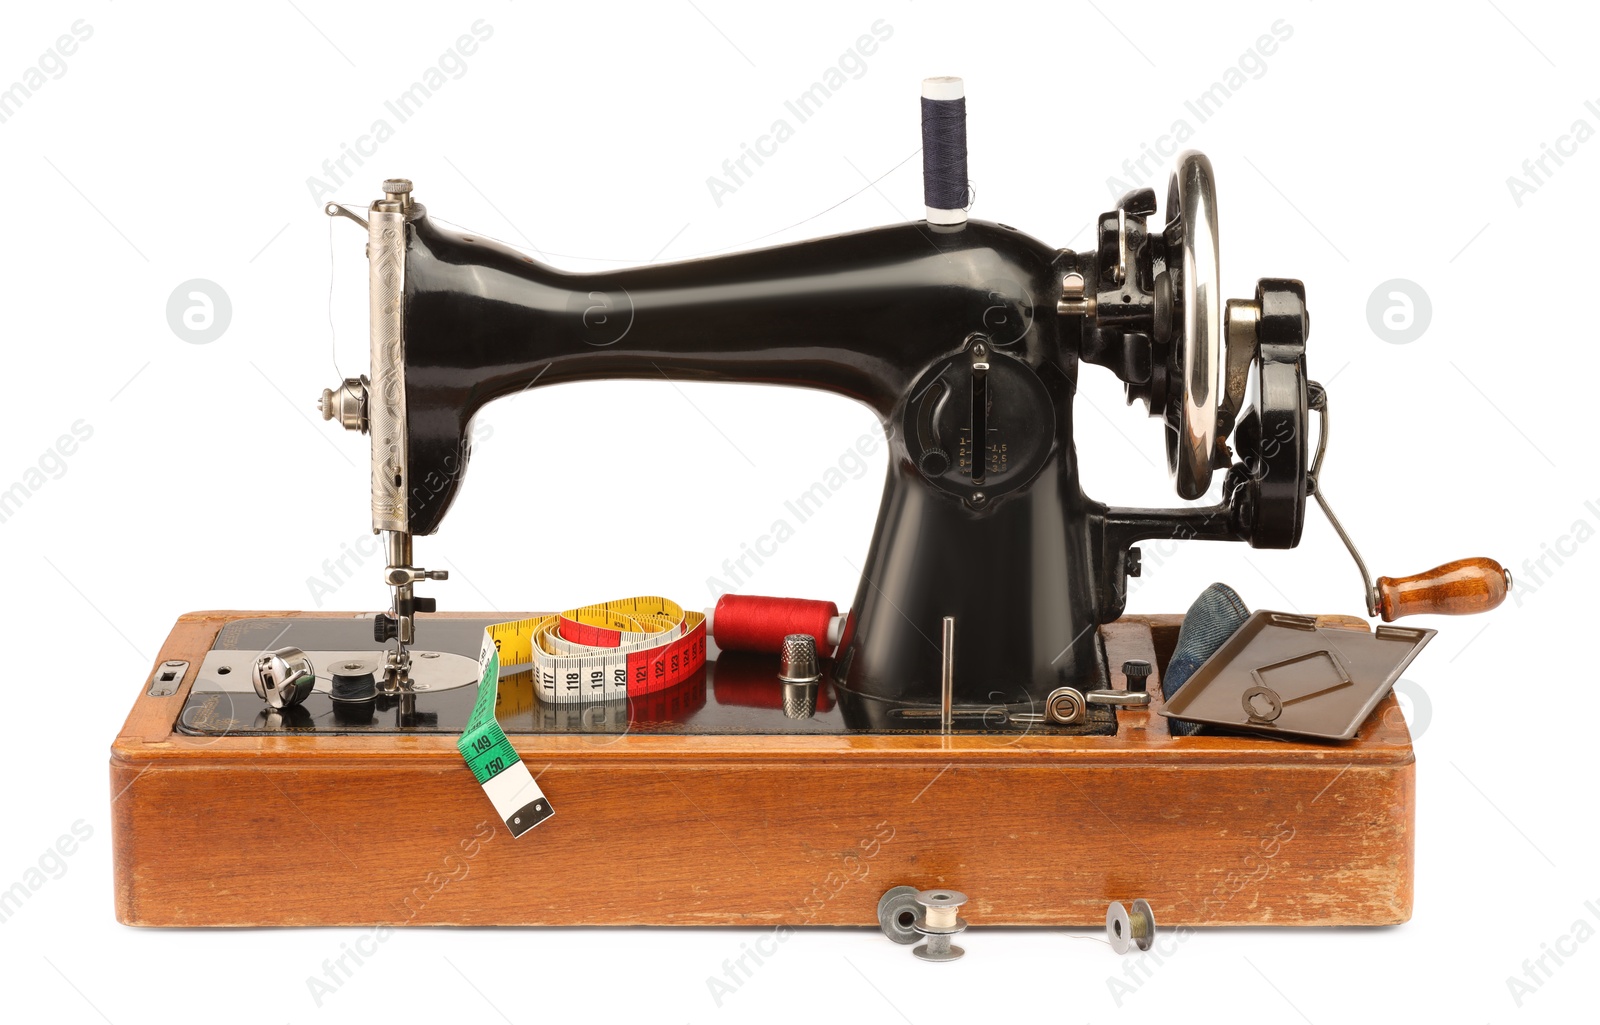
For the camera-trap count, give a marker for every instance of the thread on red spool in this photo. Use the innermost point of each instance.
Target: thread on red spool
(751, 622)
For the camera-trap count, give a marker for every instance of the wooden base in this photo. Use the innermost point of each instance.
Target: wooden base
(762, 830)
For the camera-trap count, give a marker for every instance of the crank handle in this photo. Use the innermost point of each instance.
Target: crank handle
(1458, 588)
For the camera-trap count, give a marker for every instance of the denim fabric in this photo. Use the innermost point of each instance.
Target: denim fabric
(1211, 620)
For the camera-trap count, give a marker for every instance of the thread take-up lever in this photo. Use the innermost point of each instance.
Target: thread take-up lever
(980, 410)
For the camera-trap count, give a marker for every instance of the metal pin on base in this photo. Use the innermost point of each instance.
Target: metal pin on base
(947, 675)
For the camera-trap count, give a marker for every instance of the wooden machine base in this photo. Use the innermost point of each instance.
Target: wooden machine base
(762, 830)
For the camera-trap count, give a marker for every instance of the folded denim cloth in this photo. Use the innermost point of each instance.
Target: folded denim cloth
(1210, 621)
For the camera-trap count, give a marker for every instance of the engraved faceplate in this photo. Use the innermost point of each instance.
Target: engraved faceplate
(386, 402)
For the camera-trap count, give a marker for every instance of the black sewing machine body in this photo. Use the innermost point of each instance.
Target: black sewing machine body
(951, 335)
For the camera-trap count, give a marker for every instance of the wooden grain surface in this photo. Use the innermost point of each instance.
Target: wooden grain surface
(800, 830)
(1460, 588)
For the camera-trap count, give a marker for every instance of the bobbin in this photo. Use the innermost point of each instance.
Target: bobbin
(939, 922)
(897, 913)
(354, 679)
(1126, 929)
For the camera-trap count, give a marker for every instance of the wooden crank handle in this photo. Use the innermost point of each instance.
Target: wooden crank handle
(1457, 588)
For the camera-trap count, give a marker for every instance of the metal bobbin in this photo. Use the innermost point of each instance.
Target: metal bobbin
(1127, 929)
(939, 923)
(897, 913)
(354, 679)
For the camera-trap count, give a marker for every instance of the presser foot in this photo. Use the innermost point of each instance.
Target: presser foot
(396, 675)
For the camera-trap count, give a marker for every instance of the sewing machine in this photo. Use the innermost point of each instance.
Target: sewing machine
(930, 751)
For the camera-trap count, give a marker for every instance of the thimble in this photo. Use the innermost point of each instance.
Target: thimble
(797, 660)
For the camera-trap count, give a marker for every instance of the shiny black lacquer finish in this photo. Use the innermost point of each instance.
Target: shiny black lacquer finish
(950, 335)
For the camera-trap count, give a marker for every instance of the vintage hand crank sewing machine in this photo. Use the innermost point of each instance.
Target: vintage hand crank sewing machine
(978, 721)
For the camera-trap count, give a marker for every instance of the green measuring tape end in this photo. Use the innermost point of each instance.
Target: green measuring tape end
(495, 764)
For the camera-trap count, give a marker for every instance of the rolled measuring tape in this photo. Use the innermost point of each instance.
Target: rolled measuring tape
(632, 647)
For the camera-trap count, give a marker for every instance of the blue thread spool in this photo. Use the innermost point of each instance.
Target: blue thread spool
(944, 150)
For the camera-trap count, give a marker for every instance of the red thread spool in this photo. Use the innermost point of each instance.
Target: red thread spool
(749, 622)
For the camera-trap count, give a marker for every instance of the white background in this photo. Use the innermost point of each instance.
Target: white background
(1375, 145)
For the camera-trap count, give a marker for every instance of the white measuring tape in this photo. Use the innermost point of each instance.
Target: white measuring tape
(617, 649)
(631, 647)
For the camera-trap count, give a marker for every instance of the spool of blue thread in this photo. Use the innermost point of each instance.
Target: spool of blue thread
(944, 149)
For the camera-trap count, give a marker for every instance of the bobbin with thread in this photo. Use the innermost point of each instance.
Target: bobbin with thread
(1128, 928)
(939, 922)
(944, 150)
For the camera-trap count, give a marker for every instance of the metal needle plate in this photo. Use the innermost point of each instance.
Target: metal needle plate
(1282, 674)
(229, 671)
